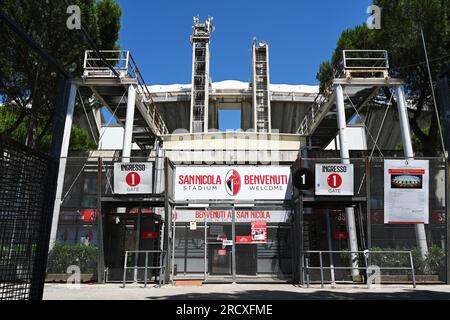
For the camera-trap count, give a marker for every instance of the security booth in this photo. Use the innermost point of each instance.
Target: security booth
(231, 223)
(122, 210)
(133, 213)
(392, 215)
(135, 227)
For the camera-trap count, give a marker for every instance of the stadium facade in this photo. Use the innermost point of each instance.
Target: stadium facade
(167, 189)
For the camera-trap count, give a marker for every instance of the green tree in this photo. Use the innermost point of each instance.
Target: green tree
(401, 21)
(28, 85)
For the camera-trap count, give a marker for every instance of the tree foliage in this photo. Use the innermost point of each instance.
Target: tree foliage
(28, 84)
(400, 35)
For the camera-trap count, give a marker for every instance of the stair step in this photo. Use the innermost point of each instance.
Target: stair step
(189, 283)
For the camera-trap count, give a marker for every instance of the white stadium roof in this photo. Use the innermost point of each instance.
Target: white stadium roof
(235, 86)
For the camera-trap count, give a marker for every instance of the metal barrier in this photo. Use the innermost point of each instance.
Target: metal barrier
(161, 266)
(365, 59)
(366, 255)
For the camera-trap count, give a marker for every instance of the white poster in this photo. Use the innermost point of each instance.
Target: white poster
(188, 215)
(406, 188)
(334, 179)
(234, 183)
(133, 178)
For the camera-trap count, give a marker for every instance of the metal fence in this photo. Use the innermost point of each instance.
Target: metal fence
(26, 203)
(366, 265)
(155, 254)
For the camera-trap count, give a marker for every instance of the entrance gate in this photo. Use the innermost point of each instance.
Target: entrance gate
(215, 244)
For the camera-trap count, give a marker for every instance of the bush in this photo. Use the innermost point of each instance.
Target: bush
(433, 264)
(64, 255)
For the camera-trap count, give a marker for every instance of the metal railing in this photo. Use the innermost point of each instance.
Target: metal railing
(369, 61)
(161, 266)
(366, 255)
(365, 59)
(123, 62)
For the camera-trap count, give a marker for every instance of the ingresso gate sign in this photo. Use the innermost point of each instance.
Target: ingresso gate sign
(234, 183)
(133, 178)
(334, 179)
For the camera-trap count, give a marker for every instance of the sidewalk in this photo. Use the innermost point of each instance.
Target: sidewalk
(243, 291)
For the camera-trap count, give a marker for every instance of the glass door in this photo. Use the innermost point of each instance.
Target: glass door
(245, 250)
(220, 244)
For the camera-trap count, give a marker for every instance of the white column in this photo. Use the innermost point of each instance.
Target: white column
(345, 156)
(128, 133)
(421, 237)
(62, 162)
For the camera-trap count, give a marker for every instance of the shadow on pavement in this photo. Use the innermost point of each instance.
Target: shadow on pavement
(319, 295)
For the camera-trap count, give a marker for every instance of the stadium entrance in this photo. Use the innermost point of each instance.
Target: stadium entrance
(232, 244)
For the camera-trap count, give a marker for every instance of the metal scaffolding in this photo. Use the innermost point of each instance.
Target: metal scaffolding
(201, 33)
(260, 76)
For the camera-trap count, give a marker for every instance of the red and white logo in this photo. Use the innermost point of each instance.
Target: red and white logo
(133, 179)
(232, 182)
(334, 180)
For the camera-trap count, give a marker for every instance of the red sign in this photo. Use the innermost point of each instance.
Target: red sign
(89, 215)
(259, 231)
(334, 180)
(133, 179)
(150, 235)
(244, 239)
(222, 252)
(338, 235)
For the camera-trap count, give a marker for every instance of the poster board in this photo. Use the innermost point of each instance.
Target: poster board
(259, 232)
(406, 191)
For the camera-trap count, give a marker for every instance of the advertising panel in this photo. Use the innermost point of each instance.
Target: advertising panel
(406, 191)
(232, 183)
(259, 232)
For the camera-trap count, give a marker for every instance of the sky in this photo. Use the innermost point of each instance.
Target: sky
(301, 34)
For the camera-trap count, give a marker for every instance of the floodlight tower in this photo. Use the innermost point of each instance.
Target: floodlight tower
(201, 33)
(261, 82)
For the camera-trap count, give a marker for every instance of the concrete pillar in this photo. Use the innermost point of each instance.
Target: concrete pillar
(345, 156)
(63, 161)
(421, 237)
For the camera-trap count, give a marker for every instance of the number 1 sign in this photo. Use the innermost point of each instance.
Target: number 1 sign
(133, 178)
(334, 179)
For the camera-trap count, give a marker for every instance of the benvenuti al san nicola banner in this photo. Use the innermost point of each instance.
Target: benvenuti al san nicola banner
(232, 183)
